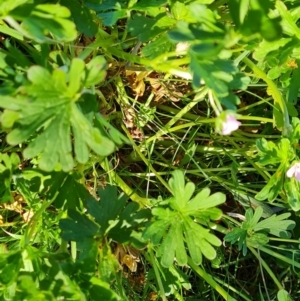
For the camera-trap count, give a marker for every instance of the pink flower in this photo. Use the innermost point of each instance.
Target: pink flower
(230, 125)
(294, 171)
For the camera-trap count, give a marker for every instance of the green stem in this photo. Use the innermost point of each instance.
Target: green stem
(63, 248)
(255, 118)
(157, 275)
(261, 171)
(238, 292)
(208, 278)
(166, 129)
(128, 56)
(120, 287)
(168, 66)
(30, 230)
(294, 241)
(279, 256)
(267, 268)
(146, 161)
(173, 110)
(193, 171)
(245, 108)
(273, 91)
(74, 250)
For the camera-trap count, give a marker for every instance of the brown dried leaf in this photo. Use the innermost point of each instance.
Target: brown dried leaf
(15, 206)
(129, 117)
(130, 122)
(136, 81)
(130, 263)
(127, 256)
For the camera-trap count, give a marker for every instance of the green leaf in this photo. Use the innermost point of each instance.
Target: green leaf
(109, 216)
(146, 28)
(100, 289)
(113, 134)
(108, 263)
(66, 189)
(7, 5)
(181, 193)
(292, 188)
(255, 233)
(258, 20)
(221, 76)
(270, 153)
(237, 234)
(252, 219)
(283, 295)
(45, 19)
(144, 5)
(266, 47)
(95, 71)
(11, 269)
(108, 208)
(294, 86)
(8, 165)
(173, 279)
(238, 10)
(203, 201)
(111, 18)
(288, 23)
(277, 225)
(274, 185)
(77, 227)
(75, 74)
(157, 47)
(82, 17)
(257, 239)
(53, 113)
(203, 70)
(175, 226)
(206, 50)
(180, 11)
(170, 246)
(33, 288)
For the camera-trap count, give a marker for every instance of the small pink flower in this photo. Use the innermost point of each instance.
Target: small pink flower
(230, 125)
(294, 171)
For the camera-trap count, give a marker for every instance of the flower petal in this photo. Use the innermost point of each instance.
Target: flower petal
(297, 175)
(230, 125)
(290, 173)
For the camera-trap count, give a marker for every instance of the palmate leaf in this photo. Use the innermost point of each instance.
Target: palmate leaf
(108, 217)
(182, 193)
(175, 227)
(77, 227)
(47, 110)
(270, 153)
(65, 188)
(277, 225)
(255, 233)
